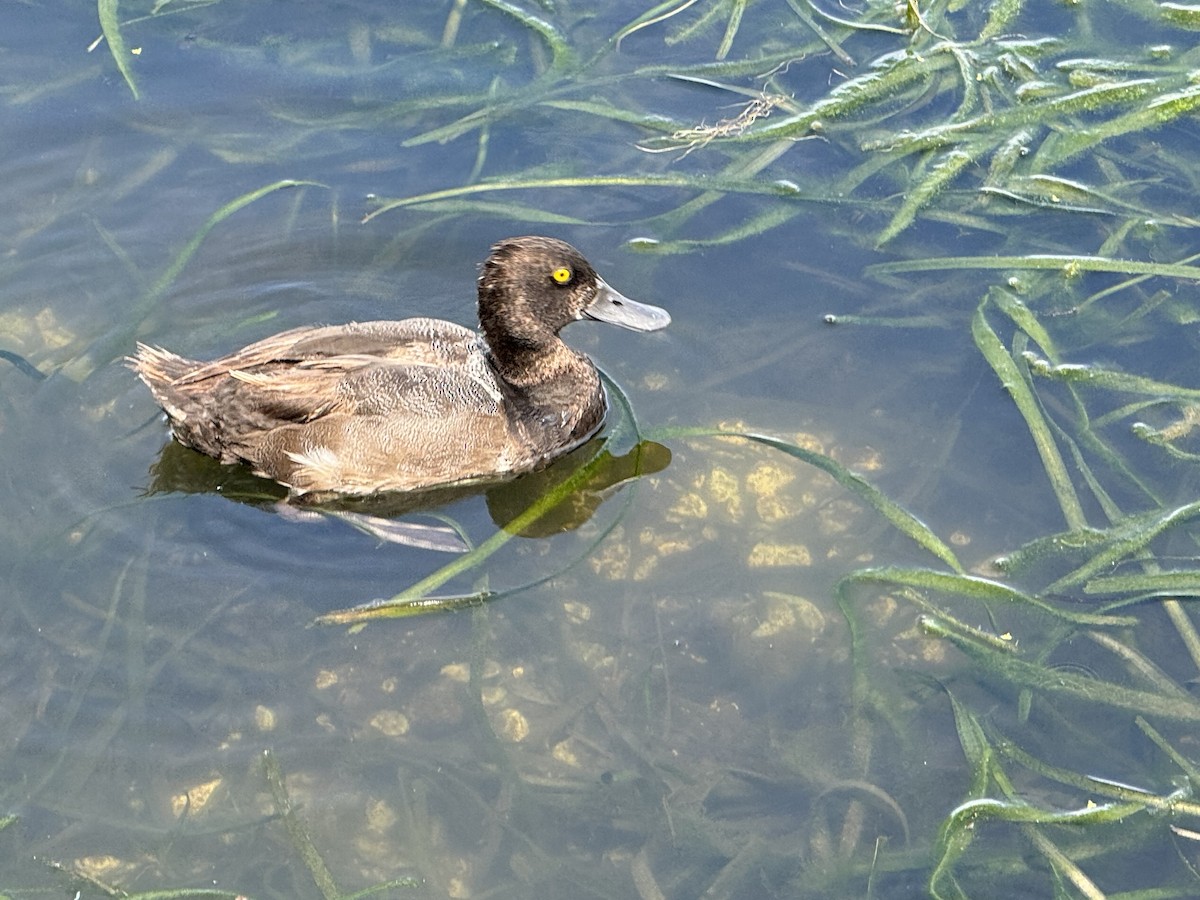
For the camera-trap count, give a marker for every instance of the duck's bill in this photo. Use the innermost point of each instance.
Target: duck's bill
(616, 309)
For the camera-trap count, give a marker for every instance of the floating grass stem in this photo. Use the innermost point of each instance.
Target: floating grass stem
(983, 590)
(1153, 114)
(1127, 539)
(944, 170)
(1026, 402)
(653, 16)
(1010, 668)
(1186, 15)
(1068, 264)
(891, 76)
(737, 9)
(709, 185)
(110, 26)
(561, 54)
(1147, 584)
(826, 38)
(962, 826)
(415, 599)
(1109, 379)
(1001, 15)
(453, 22)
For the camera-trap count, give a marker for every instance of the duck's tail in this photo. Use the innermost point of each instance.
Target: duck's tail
(162, 370)
(157, 366)
(196, 415)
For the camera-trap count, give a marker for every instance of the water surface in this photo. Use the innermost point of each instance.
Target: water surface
(669, 709)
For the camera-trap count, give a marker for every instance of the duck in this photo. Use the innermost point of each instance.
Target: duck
(377, 407)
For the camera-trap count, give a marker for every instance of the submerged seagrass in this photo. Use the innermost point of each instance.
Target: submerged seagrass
(398, 406)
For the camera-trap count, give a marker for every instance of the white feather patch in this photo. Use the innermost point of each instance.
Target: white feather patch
(317, 464)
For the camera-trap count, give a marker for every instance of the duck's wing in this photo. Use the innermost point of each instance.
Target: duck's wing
(352, 393)
(419, 341)
(395, 428)
(418, 367)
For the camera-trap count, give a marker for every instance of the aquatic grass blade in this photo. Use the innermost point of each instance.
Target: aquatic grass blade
(1068, 264)
(1025, 319)
(772, 217)
(940, 175)
(1130, 538)
(977, 750)
(691, 182)
(515, 212)
(164, 282)
(1147, 584)
(738, 9)
(417, 600)
(983, 590)
(1185, 765)
(962, 825)
(296, 830)
(110, 26)
(1020, 673)
(1026, 402)
(1154, 113)
(652, 16)
(561, 54)
(1112, 380)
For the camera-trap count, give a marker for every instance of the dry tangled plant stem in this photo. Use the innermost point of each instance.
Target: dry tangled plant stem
(689, 139)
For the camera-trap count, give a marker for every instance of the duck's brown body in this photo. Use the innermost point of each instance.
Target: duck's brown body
(414, 404)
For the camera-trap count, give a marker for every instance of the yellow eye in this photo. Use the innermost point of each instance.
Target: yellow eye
(561, 275)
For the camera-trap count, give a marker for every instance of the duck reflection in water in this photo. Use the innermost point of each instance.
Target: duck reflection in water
(181, 470)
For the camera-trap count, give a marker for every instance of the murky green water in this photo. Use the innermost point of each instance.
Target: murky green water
(665, 699)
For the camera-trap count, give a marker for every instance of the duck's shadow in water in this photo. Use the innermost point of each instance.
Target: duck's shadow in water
(182, 470)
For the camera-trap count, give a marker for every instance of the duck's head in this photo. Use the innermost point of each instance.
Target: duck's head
(532, 287)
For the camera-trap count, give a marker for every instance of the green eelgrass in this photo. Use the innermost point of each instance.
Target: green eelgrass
(110, 25)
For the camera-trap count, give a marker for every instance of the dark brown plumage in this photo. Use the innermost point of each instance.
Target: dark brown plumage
(399, 406)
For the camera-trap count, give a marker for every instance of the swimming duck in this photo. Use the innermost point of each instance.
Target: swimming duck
(372, 407)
